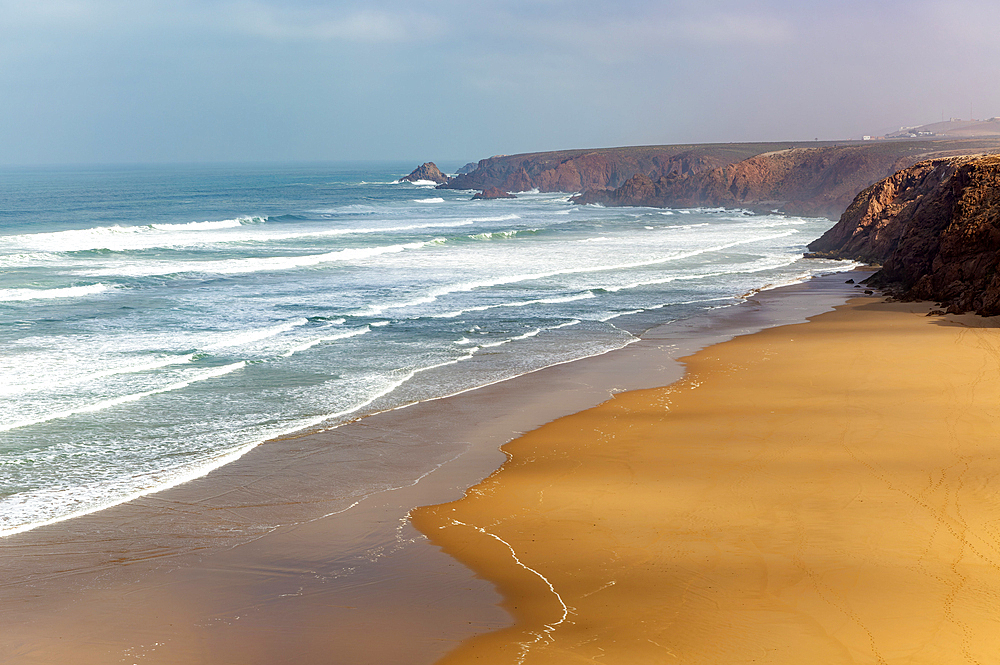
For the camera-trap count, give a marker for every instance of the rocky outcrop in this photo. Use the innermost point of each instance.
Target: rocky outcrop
(804, 181)
(934, 227)
(428, 171)
(493, 193)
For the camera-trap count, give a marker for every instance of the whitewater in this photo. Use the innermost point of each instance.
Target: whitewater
(158, 322)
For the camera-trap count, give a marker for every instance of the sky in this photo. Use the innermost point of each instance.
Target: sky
(144, 81)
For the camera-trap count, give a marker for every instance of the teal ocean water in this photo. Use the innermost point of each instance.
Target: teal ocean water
(157, 322)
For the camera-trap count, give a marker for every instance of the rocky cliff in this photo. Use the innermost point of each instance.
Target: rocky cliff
(808, 178)
(819, 181)
(600, 169)
(934, 227)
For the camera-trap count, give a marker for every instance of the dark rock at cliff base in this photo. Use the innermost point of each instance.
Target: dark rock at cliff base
(493, 193)
(427, 171)
(935, 227)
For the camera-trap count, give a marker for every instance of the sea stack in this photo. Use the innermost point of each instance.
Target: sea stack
(427, 171)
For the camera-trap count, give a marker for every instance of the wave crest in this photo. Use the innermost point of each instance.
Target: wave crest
(19, 295)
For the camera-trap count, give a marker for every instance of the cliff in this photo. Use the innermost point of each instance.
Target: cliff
(820, 181)
(805, 178)
(602, 168)
(935, 227)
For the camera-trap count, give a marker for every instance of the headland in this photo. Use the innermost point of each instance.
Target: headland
(817, 178)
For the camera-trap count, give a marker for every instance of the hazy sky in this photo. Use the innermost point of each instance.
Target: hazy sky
(260, 80)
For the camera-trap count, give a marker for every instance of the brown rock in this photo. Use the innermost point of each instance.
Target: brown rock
(603, 168)
(936, 229)
(806, 181)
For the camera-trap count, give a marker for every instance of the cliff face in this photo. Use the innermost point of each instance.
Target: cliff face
(805, 181)
(600, 169)
(804, 178)
(935, 227)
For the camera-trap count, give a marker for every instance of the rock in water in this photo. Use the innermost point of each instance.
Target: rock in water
(426, 171)
(493, 193)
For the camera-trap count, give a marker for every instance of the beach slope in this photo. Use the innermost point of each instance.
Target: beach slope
(815, 493)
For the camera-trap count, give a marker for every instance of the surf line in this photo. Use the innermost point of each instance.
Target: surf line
(549, 627)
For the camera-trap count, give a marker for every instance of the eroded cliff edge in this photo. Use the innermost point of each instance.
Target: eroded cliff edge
(602, 169)
(934, 227)
(805, 178)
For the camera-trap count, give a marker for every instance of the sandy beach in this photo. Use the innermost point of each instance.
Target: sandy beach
(266, 560)
(816, 493)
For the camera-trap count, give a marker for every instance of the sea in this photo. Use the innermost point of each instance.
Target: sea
(158, 322)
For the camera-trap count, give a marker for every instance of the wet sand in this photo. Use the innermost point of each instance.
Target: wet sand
(816, 493)
(270, 560)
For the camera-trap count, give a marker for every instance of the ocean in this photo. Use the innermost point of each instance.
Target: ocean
(158, 322)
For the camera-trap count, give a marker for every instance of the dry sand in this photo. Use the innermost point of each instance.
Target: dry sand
(817, 493)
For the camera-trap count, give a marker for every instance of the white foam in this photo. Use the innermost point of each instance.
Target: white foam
(499, 218)
(19, 295)
(158, 481)
(529, 334)
(243, 337)
(251, 265)
(133, 368)
(523, 303)
(433, 200)
(495, 234)
(526, 277)
(760, 266)
(304, 346)
(204, 226)
(119, 238)
(124, 399)
(31, 259)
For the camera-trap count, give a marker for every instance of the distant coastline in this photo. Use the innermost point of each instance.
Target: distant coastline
(813, 178)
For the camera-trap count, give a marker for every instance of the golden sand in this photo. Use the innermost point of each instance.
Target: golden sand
(818, 493)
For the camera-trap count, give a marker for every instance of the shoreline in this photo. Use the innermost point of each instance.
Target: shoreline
(205, 570)
(809, 493)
